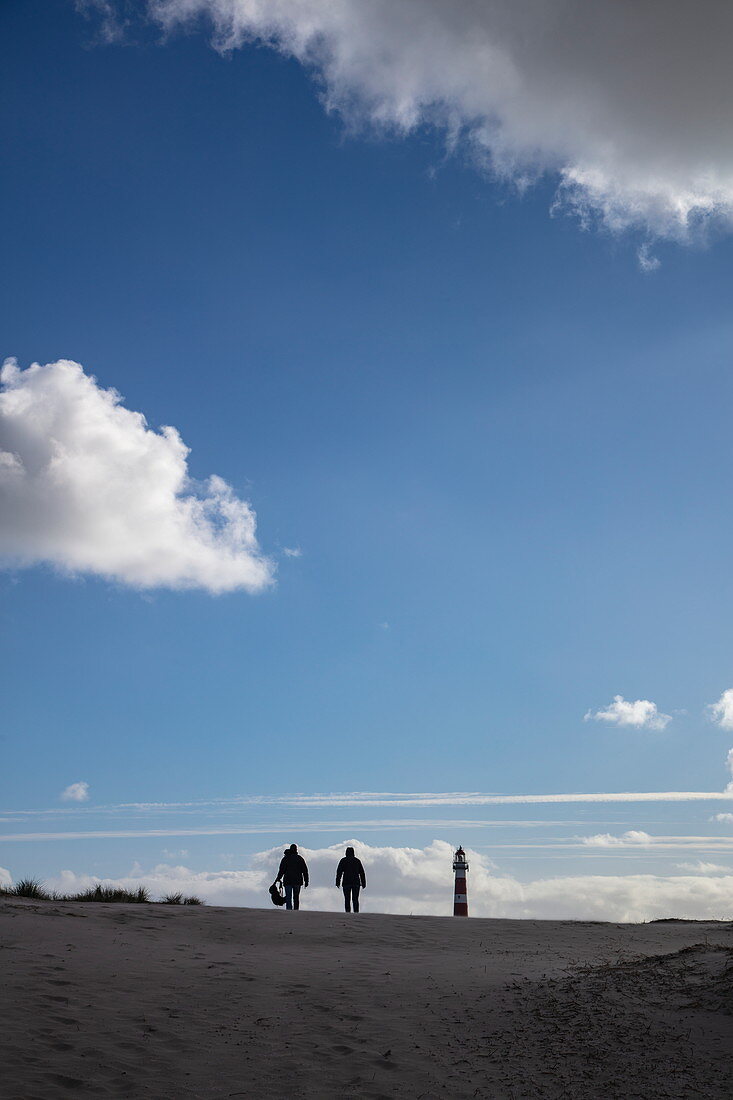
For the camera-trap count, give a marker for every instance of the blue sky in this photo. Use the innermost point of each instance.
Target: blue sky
(500, 447)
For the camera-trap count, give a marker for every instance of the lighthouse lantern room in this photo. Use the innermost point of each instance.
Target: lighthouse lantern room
(460, 896)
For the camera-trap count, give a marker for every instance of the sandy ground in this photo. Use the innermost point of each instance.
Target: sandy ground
(171, 1002)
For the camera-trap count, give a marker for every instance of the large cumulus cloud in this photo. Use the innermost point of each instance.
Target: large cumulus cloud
(628, 102)
(87, 486)
(419, 880)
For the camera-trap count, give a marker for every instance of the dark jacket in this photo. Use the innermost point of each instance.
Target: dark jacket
(293, 870)
(351, 870)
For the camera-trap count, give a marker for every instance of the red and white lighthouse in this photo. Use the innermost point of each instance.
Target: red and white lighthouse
(460, 896)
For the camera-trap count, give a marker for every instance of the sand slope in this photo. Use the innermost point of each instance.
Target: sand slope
(170, 1002)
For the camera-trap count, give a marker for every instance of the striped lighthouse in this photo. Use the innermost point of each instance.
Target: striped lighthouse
(460, 896)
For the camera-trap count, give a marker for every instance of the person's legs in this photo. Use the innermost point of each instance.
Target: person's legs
(355, 896)
(288, 896)
(296, 896)
(347, 898)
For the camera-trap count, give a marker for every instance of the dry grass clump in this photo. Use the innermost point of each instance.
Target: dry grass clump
(180, 899)
(28, 888)
(36, 890)
(111, 893)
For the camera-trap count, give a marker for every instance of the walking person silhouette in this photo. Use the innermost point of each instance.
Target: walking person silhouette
(294, 873)
(351, 870)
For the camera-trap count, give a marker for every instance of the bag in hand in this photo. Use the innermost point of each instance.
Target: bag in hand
(277, 894)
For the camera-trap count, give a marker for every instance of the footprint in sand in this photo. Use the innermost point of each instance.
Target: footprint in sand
(66, 1082)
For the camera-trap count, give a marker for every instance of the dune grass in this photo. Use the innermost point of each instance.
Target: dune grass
(28, 888)
(33, 888)
(180, 899)
(112, 893)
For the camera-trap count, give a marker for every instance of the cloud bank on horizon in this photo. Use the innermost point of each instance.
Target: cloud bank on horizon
(87, 486)
(419, 880)
(629, 106)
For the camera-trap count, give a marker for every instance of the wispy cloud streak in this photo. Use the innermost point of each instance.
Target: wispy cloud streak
(286, 829)
(372, 799)
(459, 799)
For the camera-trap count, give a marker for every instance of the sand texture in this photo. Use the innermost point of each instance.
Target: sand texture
(175, 1002)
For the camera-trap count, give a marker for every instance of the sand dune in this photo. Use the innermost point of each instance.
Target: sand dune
(168, 1002)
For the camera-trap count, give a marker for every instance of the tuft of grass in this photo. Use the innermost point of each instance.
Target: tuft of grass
(112, 893)
(30, 888)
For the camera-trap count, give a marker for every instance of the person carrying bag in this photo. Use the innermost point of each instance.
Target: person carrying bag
(294, 874)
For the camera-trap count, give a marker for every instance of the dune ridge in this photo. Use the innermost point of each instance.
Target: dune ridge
(165, 1002)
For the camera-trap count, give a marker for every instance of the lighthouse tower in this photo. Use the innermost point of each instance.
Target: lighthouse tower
(460, 897)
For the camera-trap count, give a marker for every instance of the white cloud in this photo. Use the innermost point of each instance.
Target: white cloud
(642, 714)
(87, 486)
(475, 798)
(647, 262)
(318, 828)
(6, 879)
(420, 880)
(724, 819)
(606, 840)
(722, 711)
(386, 799)
(702, 868)
(109, 21)
(75, 792)
(292, 552)
(629, 105)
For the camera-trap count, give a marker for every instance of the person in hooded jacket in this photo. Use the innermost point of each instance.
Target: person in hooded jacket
(293, 873)
(351, 871)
